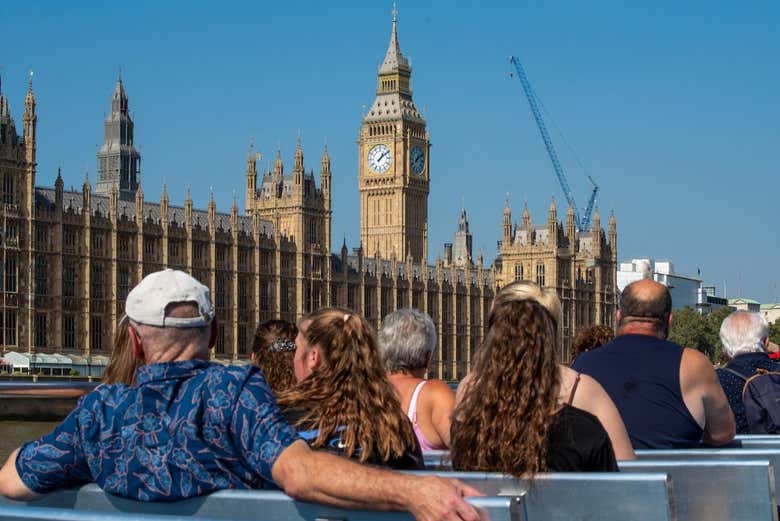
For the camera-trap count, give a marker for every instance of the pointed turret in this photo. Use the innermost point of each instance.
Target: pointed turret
(596, 232)
(612, 234)
(463, 240)
(507, 224)
(552, 212)
(188, 209)
(59, 184)
(278, 164)
(526, 217)
(325, 177)
(30, 123)
(118, 161)
(251, 178)
(571, 228)
(298, 161)
(394, 59)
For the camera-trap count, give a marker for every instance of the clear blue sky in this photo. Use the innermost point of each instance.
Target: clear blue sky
(671, 106)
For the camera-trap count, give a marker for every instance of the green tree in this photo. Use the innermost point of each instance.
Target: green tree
(774, 332)
(690, 329)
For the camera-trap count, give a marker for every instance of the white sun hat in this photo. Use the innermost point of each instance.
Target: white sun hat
(147, 302)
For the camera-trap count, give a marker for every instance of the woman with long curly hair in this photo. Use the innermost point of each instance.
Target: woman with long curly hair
(273, 351)
(511, 420)
(343, 402)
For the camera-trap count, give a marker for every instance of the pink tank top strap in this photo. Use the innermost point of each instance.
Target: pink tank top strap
(425, 445)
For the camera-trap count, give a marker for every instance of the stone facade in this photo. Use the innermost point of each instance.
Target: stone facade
(69, 258)
(580, 265)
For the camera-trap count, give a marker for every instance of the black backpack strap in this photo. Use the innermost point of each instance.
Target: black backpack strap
(732, 371)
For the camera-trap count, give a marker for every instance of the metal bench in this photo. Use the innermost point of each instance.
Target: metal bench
(733, 454)
(90, 503)
(716, 490)
(575, 496)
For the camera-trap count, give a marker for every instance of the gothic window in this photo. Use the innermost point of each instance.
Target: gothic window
(540, 274)
(41, 275)
(41, 237)
(220, 349)
(219, 291)
(97, 243)
(312, 232)
(399, 298)
(243, 259)
(122, 283)
(242, 295)
(173, 250)
(69, 330)
(9, 274)
(351, 290)
(242, 339)
(8, 328)
(40, 330)
(265, 302)
(96, 282)
(518, 272)
(368, 301)
(69, 281)
(265, 262)
(96, 334)
(221, 255)
(70, 240)
(8, 189)
(149, 247)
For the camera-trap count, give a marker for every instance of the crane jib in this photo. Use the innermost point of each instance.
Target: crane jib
(583, 222)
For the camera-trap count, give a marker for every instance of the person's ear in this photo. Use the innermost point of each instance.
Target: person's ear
(618, 316)
(314, 357)
(669, 322)
(137, 344)
(214, 331)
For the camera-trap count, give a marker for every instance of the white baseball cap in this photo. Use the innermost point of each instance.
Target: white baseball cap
(147, 302)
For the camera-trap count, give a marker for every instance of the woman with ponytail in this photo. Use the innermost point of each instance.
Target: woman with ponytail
(517, 411)
(343, 402)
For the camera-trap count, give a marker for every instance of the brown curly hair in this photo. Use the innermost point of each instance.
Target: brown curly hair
(273, 355)
(503, 422)
(590, 338)
(349, 390)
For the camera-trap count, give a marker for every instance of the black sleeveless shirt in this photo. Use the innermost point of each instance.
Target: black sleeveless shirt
(577, 442)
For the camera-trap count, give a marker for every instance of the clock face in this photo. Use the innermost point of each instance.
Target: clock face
(417, 159)
(379, 158)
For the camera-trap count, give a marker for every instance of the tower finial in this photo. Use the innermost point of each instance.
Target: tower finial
(395, 15)
(29, 84)
(119, 78)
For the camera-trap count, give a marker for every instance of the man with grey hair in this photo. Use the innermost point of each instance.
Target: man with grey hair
(189, 427)
(407, 340)
(745, 337)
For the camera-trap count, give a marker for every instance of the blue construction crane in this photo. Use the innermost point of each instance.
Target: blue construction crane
(583, 222)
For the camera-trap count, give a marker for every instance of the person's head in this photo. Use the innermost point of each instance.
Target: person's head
(171, 318)
(406, 341)
(342, 387)
(744, 332)
(273, 352)
(502, 422)
(645, 308)
(123, 363)
(590, 338)
(527, 290)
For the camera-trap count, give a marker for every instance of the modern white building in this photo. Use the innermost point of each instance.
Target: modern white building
(685, 290)
(771, 312)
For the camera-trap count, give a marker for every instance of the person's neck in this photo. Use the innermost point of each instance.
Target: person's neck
(417, 373)
(639, 329)
(182, 356)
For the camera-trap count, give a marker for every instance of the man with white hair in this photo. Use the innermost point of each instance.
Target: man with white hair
(189, 427)
(745, 337)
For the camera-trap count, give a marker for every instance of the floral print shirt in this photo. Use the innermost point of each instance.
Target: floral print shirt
(185, 429)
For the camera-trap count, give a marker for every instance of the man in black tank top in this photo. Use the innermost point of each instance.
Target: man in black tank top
(668, 396)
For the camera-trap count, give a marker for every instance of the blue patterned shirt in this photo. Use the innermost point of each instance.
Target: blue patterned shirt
(185, 429)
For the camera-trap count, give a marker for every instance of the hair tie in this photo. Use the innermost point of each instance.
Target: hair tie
(282, 345)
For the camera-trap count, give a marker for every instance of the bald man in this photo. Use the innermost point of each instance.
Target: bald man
(669, 396)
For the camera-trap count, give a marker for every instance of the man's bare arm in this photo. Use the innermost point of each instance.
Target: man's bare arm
(11, 485)
(719, 425)
(321, 477)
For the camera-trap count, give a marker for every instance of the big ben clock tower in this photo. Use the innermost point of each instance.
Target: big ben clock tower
(394, 165)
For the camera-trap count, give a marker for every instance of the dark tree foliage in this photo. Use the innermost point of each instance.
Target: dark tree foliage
(690, 329)
(774, 332)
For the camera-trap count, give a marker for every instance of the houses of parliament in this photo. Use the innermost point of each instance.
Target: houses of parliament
(69, 258)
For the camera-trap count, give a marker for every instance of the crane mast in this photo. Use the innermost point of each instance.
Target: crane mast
(582, 221)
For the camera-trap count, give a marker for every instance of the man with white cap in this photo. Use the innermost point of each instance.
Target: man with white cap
(189, 427)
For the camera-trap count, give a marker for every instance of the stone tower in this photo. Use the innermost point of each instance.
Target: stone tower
(463, 240)
(394, 164)
(118, 162)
